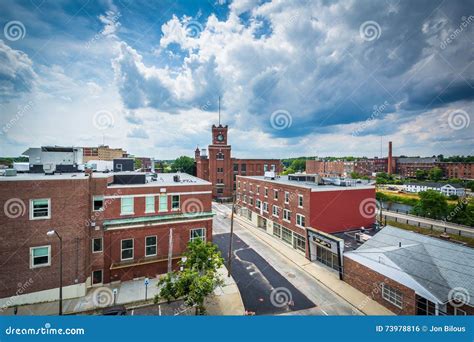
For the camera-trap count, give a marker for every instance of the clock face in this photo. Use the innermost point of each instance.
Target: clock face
(220, 137)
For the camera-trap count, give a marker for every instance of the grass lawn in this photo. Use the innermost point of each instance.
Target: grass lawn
(408, 196)
(469, 241)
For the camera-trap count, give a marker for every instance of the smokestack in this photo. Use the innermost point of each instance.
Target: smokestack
(390, 163)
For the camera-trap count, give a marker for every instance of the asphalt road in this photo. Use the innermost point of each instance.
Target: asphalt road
(259, 271)
(264, 291)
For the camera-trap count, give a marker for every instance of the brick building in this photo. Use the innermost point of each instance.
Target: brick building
(218, 167)
(413, 274)
(102, 152)
(114, 227)
(299, 208)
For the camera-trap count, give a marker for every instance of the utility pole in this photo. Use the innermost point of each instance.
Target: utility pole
(170, 251)
(229, 259)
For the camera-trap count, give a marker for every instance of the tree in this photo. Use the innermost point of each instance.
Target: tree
(432, 204)
(138, 163)
(197, 277)
(183, 164)
(421, 174)
(470, 185)
(436, 174)
(298, 165)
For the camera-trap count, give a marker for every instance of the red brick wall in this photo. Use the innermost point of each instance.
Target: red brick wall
(69, 216)
(339, 210)
(369, 282)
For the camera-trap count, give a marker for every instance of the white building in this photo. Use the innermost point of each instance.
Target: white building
(445, 189)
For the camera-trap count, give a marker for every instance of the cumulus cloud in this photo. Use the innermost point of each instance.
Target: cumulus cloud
(138, 133)
(16, 72)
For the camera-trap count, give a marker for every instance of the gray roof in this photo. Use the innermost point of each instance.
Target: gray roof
(426, 160)
(422, 263)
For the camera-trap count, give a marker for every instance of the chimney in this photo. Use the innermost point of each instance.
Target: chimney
(390, 162)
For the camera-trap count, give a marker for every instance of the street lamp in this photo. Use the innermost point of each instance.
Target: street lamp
(51, 233)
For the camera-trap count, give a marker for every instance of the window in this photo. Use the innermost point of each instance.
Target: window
(40, 209)
(287, 235)
(258, 189)
(265, 207)
(243, 168)
(287, 197)
(150, 245)
(286, 215)
(392, 295)
(220, 169)
(220, 156)
(127, 249)
(258, 204)
(300, 201)
(265, 167)
(149, 204)
(275, 211)
(238, 184)
(276, 230)
(127, 206)
(97, 277)
(245, 199)
(275, 194)
(98, 203)
(300, 220)
(175, 202)
(459, 312)
(272, 168)
(199, 233)
(163, 203)
(40, 256)
(266, 192)
(299, 242)
(96, 245)
(251, 200)
(236, 167)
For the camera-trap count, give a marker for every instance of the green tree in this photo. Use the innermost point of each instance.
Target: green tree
(197, 277)
(432, 204)
(298, 165)
(183, 164)
(138, 164)
(421, 174)
(470, 185)
(436, 174)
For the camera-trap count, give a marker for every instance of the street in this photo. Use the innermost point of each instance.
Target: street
(270, 284)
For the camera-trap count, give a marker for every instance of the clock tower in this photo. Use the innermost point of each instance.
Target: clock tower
(219, 135)
(220, 163)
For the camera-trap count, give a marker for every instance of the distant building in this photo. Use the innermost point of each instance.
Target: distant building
(146, 163)
(103, 152)
(114, 226)
(51, 159)
(445, 189)
(301, 208)
(217, 165)
(413, 274)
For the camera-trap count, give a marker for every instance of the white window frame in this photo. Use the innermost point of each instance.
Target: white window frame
(265, 207)
(284, 215)
(133, 205)
(203, 237)
(179, 203)
(132, 248)
(265, 192)
(287, 197)
(389, 292)
(32, 257)
(300, 199)
(258, 204)
(42, 217)
(103, 202)
(165, 197)
(277, 211)
(275, 194)
(101, 245)
(101, 278)
(461, 313)
(147, 198)
(299, 217)
(156, 246)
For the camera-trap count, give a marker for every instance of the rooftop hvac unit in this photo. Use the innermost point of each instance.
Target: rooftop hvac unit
(49, 169)
(361, 237)
(176, 178)
(270, 174)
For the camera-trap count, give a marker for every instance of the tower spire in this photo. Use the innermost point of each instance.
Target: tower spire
(219, 110)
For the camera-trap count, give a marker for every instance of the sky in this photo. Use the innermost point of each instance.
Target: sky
(296, 78)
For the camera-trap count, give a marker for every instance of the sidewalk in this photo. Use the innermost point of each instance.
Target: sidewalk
(225, 301)
(329, 279)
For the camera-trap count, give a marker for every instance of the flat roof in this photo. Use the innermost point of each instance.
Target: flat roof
(283, 180)
(161, 179)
